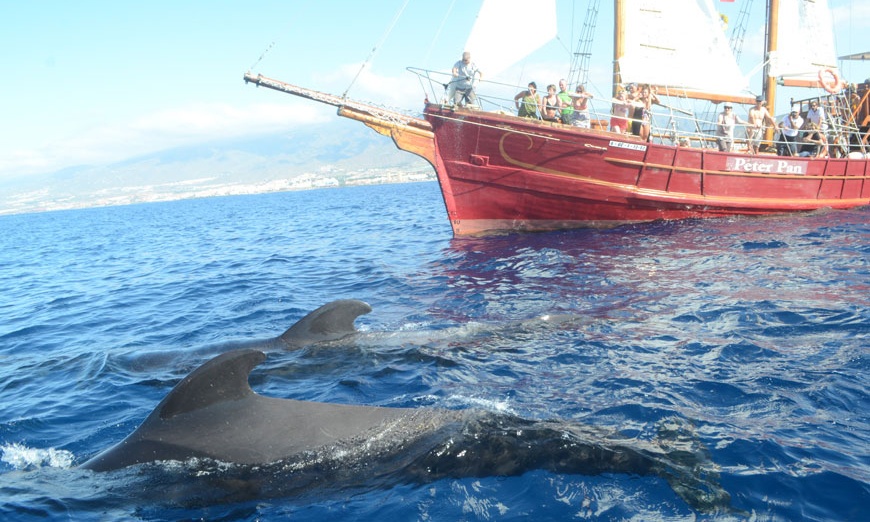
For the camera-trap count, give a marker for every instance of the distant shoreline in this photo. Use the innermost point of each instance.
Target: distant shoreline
(41, 201)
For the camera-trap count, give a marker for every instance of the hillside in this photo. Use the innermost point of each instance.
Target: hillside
(336, 153)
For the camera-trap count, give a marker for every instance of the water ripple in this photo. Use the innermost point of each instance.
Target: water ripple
(754, 331)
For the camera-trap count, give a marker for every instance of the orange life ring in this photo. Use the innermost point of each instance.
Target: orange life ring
(830, 80)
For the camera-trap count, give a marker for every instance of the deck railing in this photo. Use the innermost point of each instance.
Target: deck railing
(846, 125)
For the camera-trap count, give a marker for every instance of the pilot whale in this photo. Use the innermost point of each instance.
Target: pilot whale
(334, 322)
(213, 414)
(332, 325)
(330, 322)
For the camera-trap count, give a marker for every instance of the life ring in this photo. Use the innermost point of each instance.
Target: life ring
(830, 80)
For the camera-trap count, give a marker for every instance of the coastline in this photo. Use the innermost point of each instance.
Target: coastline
(46, 200)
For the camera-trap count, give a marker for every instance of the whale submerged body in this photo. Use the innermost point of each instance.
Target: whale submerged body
(214, 414)
(333, 324)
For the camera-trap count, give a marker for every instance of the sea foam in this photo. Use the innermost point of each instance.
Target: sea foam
(21, 457)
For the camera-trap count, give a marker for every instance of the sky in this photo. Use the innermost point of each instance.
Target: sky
(96, 81)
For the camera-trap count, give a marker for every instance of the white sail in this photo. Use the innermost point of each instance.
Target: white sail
(506, 31)
(678, 43)
(805, 40)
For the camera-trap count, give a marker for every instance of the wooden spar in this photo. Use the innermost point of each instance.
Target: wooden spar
(410, 138)
(769, 88)
(618, 42)
(662, 90)
(410, 134)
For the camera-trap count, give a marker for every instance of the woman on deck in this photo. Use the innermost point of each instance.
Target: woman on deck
(580, 103)
(621, 109)
(551, 105)
(527, 102)
(647, 98)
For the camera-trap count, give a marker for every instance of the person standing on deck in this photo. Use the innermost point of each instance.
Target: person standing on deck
(550, 105)
(527, 102)
(759, 116)
(565, 102)
(790, 127)
(581, 108)
(636, 113)
(725, 127)
(464, 72)
(647, 99)
(621, 109)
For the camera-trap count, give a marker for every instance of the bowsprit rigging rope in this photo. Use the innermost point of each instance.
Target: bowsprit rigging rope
(376, 47)
(260, 59)
(437, 35)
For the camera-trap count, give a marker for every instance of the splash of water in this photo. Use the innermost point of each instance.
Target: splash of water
(21, 457)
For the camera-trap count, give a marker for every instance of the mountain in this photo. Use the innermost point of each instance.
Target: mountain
(331, 154)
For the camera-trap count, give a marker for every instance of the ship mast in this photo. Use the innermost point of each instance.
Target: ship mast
(618, 42)
(769, 88)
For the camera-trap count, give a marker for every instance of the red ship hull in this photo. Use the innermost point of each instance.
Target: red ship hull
(501, 173)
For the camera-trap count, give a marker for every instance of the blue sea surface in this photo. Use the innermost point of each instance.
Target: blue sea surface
(753, 331)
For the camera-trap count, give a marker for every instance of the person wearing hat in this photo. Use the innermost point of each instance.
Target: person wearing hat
(789, 128)
(759, 116)
(725, 127)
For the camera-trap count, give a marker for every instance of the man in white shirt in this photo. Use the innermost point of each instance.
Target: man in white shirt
(790, 127)
(816, 115)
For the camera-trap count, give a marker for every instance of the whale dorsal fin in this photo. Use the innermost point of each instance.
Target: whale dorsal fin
(223, 378)
(329, 322)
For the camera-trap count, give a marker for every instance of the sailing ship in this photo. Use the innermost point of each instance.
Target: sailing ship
(499, 172)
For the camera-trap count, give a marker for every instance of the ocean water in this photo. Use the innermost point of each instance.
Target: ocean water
(752, 332)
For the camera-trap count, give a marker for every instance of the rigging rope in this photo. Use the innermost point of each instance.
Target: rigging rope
(377, 46)
(269, 48)
(437, 35)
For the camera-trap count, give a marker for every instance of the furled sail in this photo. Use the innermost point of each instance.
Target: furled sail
(805, 40)
(506, 31)
(678, 43)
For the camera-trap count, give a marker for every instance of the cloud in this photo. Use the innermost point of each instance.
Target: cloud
(159, 131)
(207, 122)
(854, 16)
(398, 92)
(201, 123)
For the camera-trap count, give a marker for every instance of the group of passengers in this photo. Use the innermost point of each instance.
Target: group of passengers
(568, 108)
(803, 137)
(632, 108)
(798, 136)
(632, 113)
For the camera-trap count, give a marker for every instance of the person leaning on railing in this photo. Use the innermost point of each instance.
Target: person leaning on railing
(465, 73)
(790, 127)
(816, 145)
(527, 102)
(580, 104)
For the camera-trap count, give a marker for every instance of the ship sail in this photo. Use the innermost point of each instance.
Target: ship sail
(805, 41)
(678, 44)
(506, 31)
